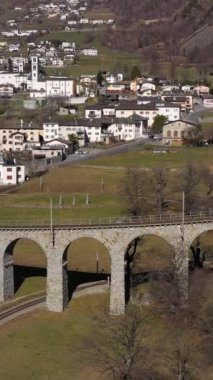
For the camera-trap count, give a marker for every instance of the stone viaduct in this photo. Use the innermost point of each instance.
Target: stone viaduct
(55, 242)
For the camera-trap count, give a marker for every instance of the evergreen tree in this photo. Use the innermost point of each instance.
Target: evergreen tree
(99, 78)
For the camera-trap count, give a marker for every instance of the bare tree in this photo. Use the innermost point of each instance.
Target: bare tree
(191, 177)
(144, 189)
(123, 351)
(208, 179)
(135, 185)
(158, 181)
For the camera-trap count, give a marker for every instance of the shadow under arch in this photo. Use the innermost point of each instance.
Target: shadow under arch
(148, 257)
(24, 258)
(85, 260)
(200, 254)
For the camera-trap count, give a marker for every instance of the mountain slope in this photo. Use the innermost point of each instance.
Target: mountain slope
(171, 28)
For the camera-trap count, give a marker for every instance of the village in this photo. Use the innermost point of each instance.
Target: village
(88, 110)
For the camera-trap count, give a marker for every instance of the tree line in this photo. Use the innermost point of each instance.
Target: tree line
(159, 190)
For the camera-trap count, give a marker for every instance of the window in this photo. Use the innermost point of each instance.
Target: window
(9, 177)
(175, 133)
(168, 133)
(9, 169)
(182, 134)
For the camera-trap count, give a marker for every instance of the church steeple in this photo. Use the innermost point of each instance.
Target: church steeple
(34, 68)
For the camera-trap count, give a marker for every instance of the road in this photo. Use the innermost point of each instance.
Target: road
(196, 115)
(76, 158)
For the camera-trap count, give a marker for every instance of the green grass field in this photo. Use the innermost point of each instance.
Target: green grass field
(74, 182)
(45, 345)
(28, 203)
(145, 158)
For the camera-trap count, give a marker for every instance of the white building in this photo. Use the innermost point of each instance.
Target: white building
(18, 138)
(11, 174)
(14, 79)
(89, 51)
(131, 128)
(171, 111)
(54, 130)
(114, 78)
(93, 111)
(51, 86)
(127, 109)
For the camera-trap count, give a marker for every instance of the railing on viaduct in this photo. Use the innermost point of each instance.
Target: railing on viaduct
(148, 220)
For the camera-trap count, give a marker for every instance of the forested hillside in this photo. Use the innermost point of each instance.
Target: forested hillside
(162, 26)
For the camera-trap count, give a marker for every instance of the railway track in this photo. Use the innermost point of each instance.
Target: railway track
(27, 306)
(107, 223)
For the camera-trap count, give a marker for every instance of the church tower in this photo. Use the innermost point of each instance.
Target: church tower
(34, 69)
(21, 66)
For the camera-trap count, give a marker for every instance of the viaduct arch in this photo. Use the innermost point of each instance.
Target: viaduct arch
(115, 238)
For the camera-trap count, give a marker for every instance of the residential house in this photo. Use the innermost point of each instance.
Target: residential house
(63, 129)
(20, 137)
(175, 131)
(169, 110)
(18, 81)
(89, 51)
(127, 109)
(93, 111)
(130, 128)
(57, 62)
(53, 148)
(201, 90)
(207, 101)
(11, 174)
(108, 110)
(185, 102)
(6, 91)
(114, 78)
